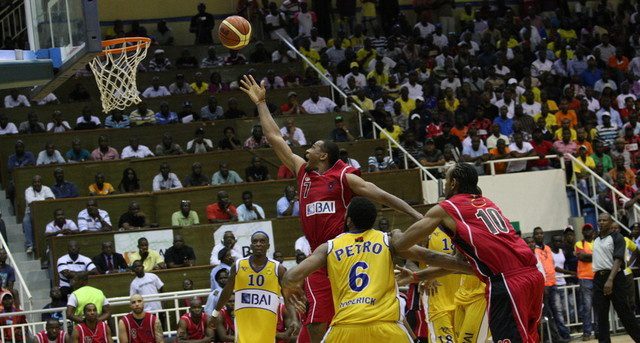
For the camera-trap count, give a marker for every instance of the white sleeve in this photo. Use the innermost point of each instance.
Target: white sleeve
(213, 260)
(82, 222)
(48, 193)
(72, 226)
(72, 301)
(176, 181)
(158, 282)
(156, 183)
(302, 139)
(105, 216)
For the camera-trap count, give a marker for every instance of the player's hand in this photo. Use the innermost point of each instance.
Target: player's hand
(213, 321)
(608, 288)
(293, 328)
(404, 276)
(256, 92)
(431, 287)
(296, 297)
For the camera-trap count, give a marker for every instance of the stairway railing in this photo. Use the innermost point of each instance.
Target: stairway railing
(12, 21)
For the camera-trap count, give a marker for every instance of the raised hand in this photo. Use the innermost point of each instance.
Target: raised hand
(403, 275)
(256, 92)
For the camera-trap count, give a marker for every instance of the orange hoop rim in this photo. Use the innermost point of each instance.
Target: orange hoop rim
(137, 40)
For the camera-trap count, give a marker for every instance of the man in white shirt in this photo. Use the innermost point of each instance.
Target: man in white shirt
(302, 245)
(507, 101)
(48, 99)
(60, 225)
(72, 264)
(199, 144)
(135, 150)
(361, 79)
(624, 94)
(229, 242)
(293, 135)
(166, 179)
(519, 148)
(36, 192)
(180, 86)
(317, 104)
(15, 100)
(424, 27)
(451, 81)
(88, 118)
(156, 90)
(492, 140)
(49, 156)
(7, 127)
(57, 124)
(146, 284)
(93, 219)
(606, 50)
(248, 210)
(541, 65)
(529, 106)
(317, 43)
(275, 23)
(288, 205)
(305, 20)
(414, 88)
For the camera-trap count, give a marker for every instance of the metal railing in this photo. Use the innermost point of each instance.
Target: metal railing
(24, 295)
(12, 21)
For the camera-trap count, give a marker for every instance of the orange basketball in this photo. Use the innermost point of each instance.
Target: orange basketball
(234, 32)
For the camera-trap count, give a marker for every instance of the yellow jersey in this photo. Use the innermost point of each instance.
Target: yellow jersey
(442, 301)
(631, 248)
(257, 298)
(362, 280)
(471, 289)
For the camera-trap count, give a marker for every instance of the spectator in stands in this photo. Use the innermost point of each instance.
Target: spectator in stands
(293, 135)
(104, 152)
(199, 144)
(49, 99)
(188, 115)
(218, 281)
(249, 211)
(63, 189)
(292, 106)
(477, 154)
(619, 149)
(318, 104)
(159, 63)
(7, 127)
(77, 153)
(233, 111)
(212, 111)
(212, 60)
(201, 26)
(186, 61)
(341, 133)
(256, 171)
(228, 242)
(20, 158)
(164, 34)
(129, 182)
(259, 53)
(168, 147)
(235, 58)
(180, 87)
(79, 93)
(142, 116)
(283, 55)
(50, 155)
(380, 162)
(225, 176)
(100, 187)
(135, 150)
(133, 219)
(229, 142)
(7, 273)
(600, 157)
(288, 205)
(36, 192)
(166, 116)
(344, 156)
(276, 23)
(146, 283)
(519, 148)
(57, 124)
(60, 225)
(165, 179)
(621, 169)
(14, 99)
(109, 261)
(180, 254)
(196, 178)
(584, 250)
(431, 157)
(257, 139)
(186, 216)
(117, 120)
(93, 219)
(87, 121)
(223, 210)
(71, 265)
(32, 125)
(198, 85)
(57, 300)
(149, 259)
(17, 334)
(156, 89)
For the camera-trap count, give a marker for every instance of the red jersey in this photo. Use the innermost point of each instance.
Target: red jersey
(42, 337)
(324, 198)
(13, 320)
(143, 332)
(281, 327)
(195, 331)
(85, 334)
(228, 321)
(486, 237)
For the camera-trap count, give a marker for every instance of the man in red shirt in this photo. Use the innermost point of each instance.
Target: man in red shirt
(542, 148)
(139, 326)
(223, 210)
(92, 330)
(326, 185)
(193, 326)
(8, 307)
(51, 333)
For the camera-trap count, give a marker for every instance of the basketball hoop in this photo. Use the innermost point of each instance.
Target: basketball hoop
(115, 70)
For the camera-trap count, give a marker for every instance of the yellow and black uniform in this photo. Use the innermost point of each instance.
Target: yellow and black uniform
(365, 294)
(257, 298)
(439, 307)
(471, 323)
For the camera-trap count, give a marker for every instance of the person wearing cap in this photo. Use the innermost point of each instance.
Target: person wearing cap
(341, 133)
(583, 250)
(186, 216)
(292, 106)
(317, 104)
(592, 74)
(159, 62)
(586, 160)
(180, 86)
(12, 334)
(360, 78)
(199, 144)
(607, 132)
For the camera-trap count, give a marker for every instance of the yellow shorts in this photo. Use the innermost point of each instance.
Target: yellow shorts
(441, 327)
(385, 332)
(472, 322)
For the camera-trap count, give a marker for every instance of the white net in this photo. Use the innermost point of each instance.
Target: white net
(115, 71)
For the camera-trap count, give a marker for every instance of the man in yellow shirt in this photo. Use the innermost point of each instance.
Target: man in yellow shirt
(361, 100)
(151, 259)
(311, 54)
(366, 53)
(407, 104)
(378, 73)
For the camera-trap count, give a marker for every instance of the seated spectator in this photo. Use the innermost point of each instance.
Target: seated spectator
(222, 211)
(9, 306)
(72, 265)
(216, 85)
(620, 170)
(249, 211)
(117, 120)
(93, 219)
(180, 86)
(188, 115)
(32, 125)
(199, 144)
(77, 153)
(292, 106)
(63, 189)
(288, 205)
(293, 135)
(159, 62)
(133, 219)
(477, 154)
(431, 157)
(79, 93)
(542, 148)
(166, 116)
(256, 171)
(318, 104)
(504, 122)
(272, 81)
(500, 152)
(165, 179)
(257, 139)
(179, 255)
(109, 261)
(163, 35)
(129, 182)
(259, 53)
(233, 111)
(20, 158)
(344, 156)
(225, 176)
(60, 225)
(104, 152)
(235, 58)
(519, 148)
(607, 132)
(186, 61)
(100, 187)
(50, 155)
(142, 116)
(196, 178)
(284, 55)
(57, 124)
(212, 111)
(7, 127)
(341, 133)
(212, 60)
(168, 147)
(48, 100)
(380, 162)
(87, 121)
(620, 149)
(57, 301)
(35, 192)
(135, 150)
(14, 99)
(186, 216)
(156, 89)
(229, 142)
(198, 85)
(228, 243)
(149, 258)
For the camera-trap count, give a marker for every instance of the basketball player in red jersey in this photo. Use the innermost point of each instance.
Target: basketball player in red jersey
(51, 333)
(139, 326)
(326, 186)
(193, 325)
(92, 330)
(497, 256)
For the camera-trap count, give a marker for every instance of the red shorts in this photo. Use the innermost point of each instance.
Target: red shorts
(320, 300)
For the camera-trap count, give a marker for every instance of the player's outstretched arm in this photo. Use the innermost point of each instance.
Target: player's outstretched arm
(375, 193)
(257, 93)
(291, 282)
(436, 259)
(401, 241)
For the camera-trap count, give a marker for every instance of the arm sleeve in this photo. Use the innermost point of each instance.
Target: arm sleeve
(156, 184)
(73, 301)
(619, 246)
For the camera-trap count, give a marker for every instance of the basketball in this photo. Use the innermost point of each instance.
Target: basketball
(234, 32)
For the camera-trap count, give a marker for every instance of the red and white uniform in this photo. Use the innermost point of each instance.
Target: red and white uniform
(324, 198)
(86, 335)
(143, 333)
(195, 331)
(503, 261)
(42, 337)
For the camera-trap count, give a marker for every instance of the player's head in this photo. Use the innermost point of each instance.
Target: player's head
(195, 307)
(136, 303)
(361, 215)
(53, 328)
(461, 179)
(90, 312)
(322, 154)
(259, 244)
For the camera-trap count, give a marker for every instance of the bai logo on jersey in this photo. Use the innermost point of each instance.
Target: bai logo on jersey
(256, 299)
(320, 207)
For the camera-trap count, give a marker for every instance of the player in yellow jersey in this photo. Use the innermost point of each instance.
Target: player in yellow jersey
(471, 323)
(360, 268)
(256, 283)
